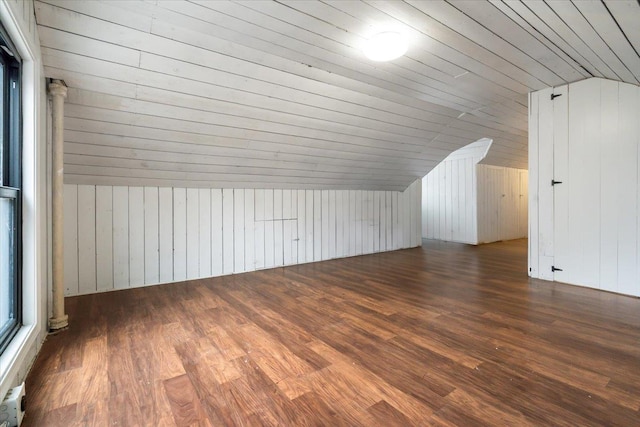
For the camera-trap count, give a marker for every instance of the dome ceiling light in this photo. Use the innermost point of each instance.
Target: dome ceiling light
(385, 46)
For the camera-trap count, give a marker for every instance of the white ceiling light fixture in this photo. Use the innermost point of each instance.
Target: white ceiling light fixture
(385, 46)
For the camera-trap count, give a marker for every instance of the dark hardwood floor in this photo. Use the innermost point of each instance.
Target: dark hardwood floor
(443, 335)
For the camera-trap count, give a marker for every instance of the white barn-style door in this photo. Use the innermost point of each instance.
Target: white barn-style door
(542, 154)
(560, 183)
(584, 141)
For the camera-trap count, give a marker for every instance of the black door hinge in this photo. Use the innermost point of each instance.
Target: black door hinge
(554, 182)
(555, 95)
(554, 269)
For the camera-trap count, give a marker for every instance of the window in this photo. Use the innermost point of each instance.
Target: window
(10, 194)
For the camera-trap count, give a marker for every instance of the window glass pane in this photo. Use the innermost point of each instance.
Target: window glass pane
(7, 256)
(3, 145)
(10, 182)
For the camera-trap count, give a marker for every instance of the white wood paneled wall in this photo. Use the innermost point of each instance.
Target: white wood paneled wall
(467, 202)
(449, 202)
(588, 226)
(120, 237)
(449, 195)
(278, 94)
(502, 203)
(274, 95)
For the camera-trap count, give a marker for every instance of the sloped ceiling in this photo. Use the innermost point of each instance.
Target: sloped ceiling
(262, 94)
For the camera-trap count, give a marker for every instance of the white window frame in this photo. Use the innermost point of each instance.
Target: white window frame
(20, 353)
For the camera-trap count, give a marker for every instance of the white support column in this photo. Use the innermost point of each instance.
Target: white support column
(58, 92)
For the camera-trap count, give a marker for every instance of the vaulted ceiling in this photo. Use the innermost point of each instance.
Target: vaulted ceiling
(262, 94)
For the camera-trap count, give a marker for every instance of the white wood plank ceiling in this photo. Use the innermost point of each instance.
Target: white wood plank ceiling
(261, 94)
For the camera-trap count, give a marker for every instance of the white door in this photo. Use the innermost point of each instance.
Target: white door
(552, 158)
(560, 182)
(545, 160)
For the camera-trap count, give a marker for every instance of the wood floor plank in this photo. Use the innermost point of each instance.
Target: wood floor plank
(311, 410)
(61, 417)
(279, 328)
(276, 360)
(95, 374)
(92, 414)
(123, 410)
(442, 335)
(215, 404)
(227, 346)
(487, 408)
(185, 404)
(387, 415)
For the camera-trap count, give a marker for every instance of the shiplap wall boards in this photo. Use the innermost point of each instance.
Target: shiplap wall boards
(464, 201)
(585, 229)
(502, 203)
(118, 237)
